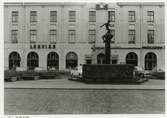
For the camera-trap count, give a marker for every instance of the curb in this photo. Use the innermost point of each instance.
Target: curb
(85, 88)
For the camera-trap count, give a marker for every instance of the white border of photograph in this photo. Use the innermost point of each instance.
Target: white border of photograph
(72, 115)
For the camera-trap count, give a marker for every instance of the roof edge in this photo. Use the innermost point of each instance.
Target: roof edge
(43, 3)
(140, 3)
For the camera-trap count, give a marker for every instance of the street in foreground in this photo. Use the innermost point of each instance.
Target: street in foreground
(65, 101)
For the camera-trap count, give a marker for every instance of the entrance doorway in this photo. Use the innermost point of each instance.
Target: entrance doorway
(131, 58)
(32, 60)
(114, 61)
(71, 60)
(101, 58)
(53, 60)
(14, 60)
(150, 61)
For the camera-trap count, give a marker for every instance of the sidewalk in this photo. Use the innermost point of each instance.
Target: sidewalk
(64, 83)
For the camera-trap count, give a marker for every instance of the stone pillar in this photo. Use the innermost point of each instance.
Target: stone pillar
(107, 41)
(107, 52)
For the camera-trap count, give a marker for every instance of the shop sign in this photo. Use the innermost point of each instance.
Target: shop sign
(44, 46)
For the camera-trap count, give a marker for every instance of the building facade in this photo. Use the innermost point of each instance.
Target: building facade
(65, 35)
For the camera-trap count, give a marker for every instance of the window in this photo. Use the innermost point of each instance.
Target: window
(92, 16)
(52, 60)
(131, 36)
(132, 16)
(101, 58)
(150, 61)
(14, 36)
(72, 36)
(33, 16)
(150, 36)
(113, 33)
(92, 36)
(39, 46)
(114, 61)
(33, 36)
(131, 58)
(71, 60)
(111, 16)
(150, 15)
(53, 36)
(53, 16)
(72, 16)
(15, 16)
(88, 61)
(32, 60)
(14, 60)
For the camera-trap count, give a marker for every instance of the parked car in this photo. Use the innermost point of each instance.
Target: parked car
(76, 73)
(157, 74)
(140, 72)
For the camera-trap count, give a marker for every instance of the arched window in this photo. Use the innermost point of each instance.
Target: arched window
(14, 60)
(32, 60)
(101, 58)
(71, 60)
(131, 58)
(53, 60)
(150, 61)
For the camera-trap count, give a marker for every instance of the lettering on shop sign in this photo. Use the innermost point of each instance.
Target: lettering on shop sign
(152, 47)
(36, 46)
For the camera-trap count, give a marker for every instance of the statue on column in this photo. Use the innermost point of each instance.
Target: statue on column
(107, 40)
(108, 35)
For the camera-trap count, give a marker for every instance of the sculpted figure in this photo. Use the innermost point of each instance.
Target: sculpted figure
(107, 36)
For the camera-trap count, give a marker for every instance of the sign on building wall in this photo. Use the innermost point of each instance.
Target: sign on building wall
(101, 6)
(38, 46)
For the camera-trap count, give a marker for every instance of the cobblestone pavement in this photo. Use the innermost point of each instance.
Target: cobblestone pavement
(57, 101)
(62, 82)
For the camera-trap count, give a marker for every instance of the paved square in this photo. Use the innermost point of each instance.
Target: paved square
(54, 101)
(61, 96)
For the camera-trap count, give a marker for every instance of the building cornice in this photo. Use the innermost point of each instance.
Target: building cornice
(81, 3)
(44, 3)
(140, 3)
(144, 47)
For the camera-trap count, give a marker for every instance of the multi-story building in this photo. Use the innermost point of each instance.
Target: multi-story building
(64, 35)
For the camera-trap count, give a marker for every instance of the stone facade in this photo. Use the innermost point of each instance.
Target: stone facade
(86, 51)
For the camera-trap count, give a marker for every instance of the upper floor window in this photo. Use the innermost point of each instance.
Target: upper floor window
(132, 16)
(92, 36)
(33, 36)
(150, 15)
(15, 15)
(71, 36)
(113, 33)
(72, 16)
(33, 16)
(150, 36)
(132, 36)
(53, 36)
(53, 16)
(14, 36)
(92, 16)
(111, 16)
